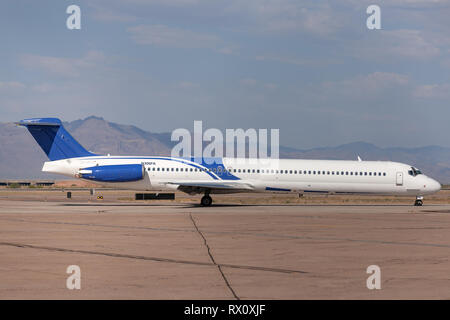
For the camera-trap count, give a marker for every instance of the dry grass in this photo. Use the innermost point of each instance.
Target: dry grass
(52, 194)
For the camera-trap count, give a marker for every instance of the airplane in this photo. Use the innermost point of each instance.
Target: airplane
(225, 175)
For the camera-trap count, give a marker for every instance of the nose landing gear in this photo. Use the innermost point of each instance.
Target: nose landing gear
(419, 201)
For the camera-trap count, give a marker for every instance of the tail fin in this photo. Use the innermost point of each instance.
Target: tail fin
(51, 136)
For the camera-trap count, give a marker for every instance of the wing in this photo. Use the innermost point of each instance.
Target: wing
(193, 187)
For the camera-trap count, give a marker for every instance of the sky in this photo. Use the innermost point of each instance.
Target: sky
(309, 68)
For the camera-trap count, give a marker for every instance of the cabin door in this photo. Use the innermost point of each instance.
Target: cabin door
(399, 179)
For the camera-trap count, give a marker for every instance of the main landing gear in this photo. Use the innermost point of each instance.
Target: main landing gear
(206, 200)
(419, 201)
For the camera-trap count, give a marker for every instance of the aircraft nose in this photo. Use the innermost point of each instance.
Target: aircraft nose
(434, 186)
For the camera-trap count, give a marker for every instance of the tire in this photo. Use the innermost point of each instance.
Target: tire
(206, 201)
(418, 203)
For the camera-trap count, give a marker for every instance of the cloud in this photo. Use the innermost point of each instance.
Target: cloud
(11, 86)
(248, 82)
(399, 44)
(164, 36)
(433, 91)
(270, 86)
(226, 50)
(170, 3)
(187, 85)
(285, 16)
(43, 88)
(365, 86)
(297, 61)
(67, 67)
(108, 15)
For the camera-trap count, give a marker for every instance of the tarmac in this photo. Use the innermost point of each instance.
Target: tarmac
(312, 249)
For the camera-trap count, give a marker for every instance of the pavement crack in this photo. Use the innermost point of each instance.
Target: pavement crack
(157, 259)
(212, 258)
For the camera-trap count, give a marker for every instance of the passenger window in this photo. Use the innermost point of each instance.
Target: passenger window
(158, 169)
(384, 173)
(370, 173)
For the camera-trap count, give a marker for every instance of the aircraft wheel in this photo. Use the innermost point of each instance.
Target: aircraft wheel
(206, 201)
(418, 202)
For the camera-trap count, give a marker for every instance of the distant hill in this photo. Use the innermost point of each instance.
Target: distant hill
(21, 157)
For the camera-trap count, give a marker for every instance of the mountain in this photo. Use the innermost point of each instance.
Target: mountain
(22, 158)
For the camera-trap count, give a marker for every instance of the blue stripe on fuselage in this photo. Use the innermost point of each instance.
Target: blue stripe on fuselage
(212, 166)
(277, 189)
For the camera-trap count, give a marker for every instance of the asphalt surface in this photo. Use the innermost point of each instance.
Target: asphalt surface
(176, 250)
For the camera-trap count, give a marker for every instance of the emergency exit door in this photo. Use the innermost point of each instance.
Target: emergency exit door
(399, 179)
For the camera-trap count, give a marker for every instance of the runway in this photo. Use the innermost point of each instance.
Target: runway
(178, 250)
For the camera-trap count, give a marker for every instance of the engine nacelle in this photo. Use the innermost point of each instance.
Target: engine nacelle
(113, 173)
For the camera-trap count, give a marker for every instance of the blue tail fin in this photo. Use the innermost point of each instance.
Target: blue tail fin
(56, 142)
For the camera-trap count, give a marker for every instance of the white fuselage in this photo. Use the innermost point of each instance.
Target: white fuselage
(299, 176)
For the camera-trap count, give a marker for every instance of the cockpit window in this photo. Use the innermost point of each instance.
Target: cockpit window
(414, 172)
